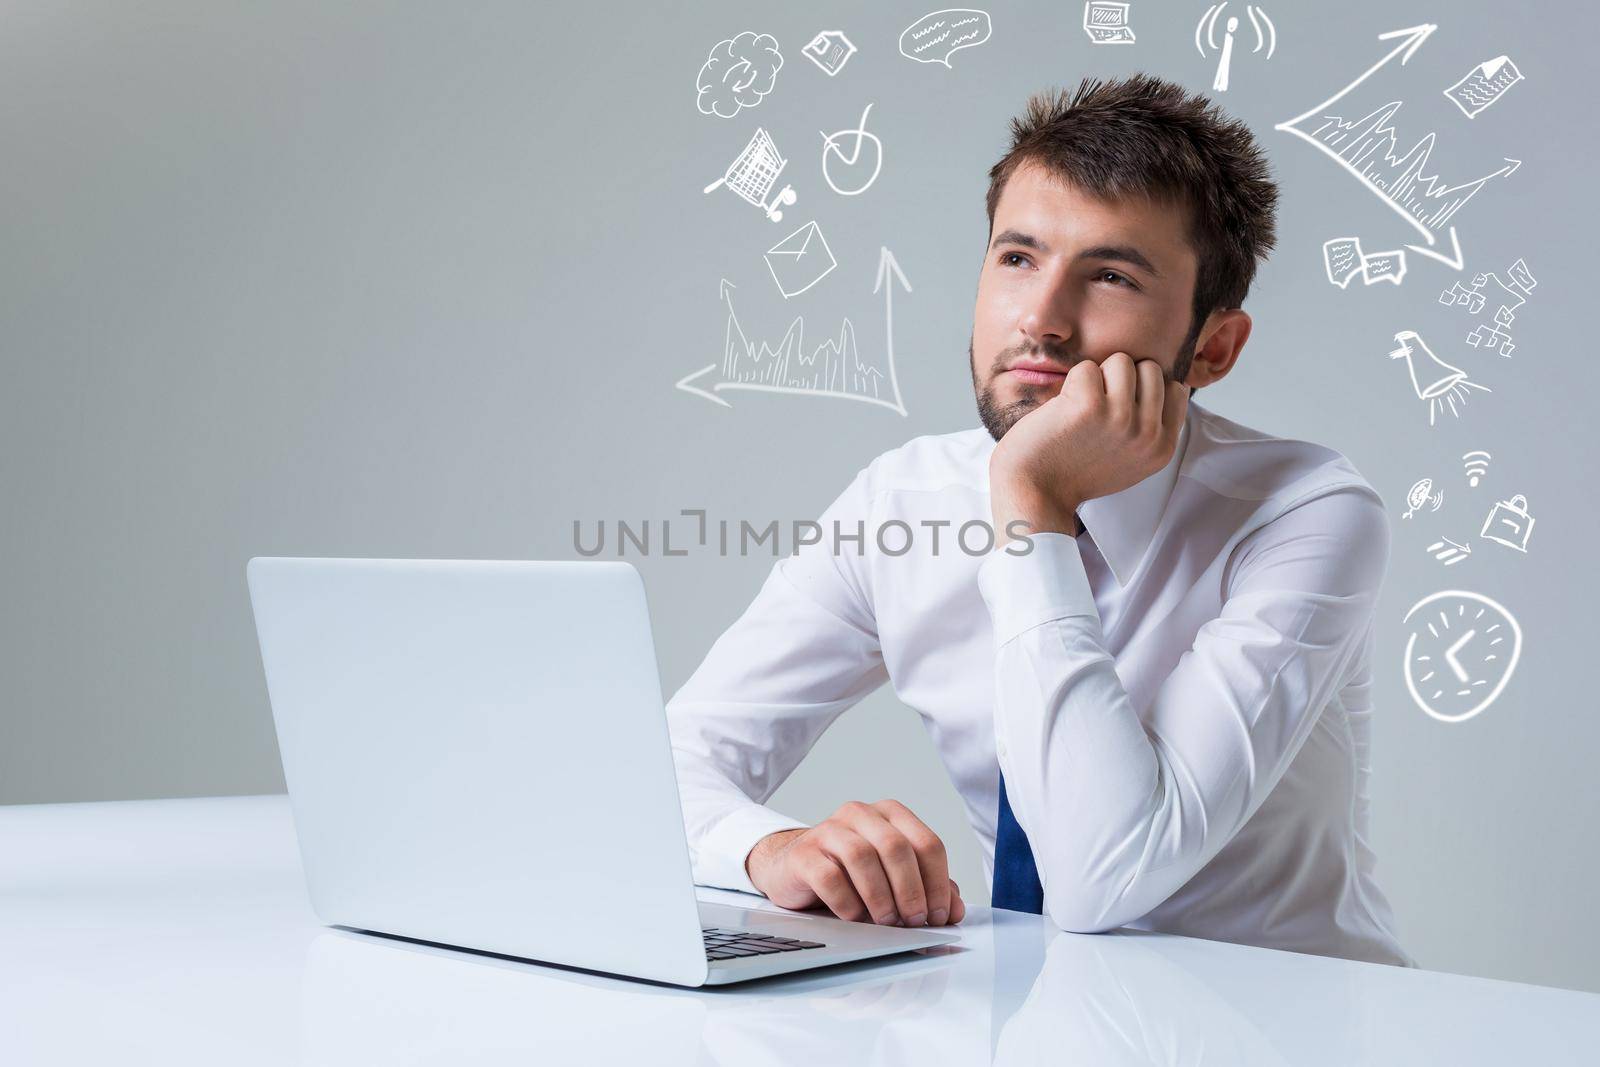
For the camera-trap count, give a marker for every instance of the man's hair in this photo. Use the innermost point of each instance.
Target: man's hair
(1142, 136)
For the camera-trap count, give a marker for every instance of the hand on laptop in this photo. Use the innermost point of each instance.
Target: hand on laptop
(866, 862)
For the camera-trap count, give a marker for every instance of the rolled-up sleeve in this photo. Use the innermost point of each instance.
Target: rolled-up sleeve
(803, 652)
(1122, 809)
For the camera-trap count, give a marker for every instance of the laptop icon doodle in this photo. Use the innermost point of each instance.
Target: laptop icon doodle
(1106, 22)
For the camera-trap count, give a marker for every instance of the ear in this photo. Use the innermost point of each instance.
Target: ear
(1218, 346)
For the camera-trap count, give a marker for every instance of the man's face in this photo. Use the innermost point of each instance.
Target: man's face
(1068, 277)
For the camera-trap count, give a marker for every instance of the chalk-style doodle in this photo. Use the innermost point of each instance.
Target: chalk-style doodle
(1496, 335)
(1367, 148)
(1422, 493)
(1205, 36)
(1341, 257)
(1386, 266)
(830, 50)
(938, 35)
(800, 260)
(1477, 465)
(1445, 385)
(1106, 22)
(1344, 261)
(1508, 523)
(1449, 552)
(846, 154)
(753, 174)
(1461, 652)
(1483, 85)
(737, 74)
(833, 368)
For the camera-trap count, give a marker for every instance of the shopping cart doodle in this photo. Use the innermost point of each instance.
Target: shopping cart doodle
(752, 176)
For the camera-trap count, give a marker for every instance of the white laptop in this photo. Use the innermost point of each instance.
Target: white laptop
(477, 757)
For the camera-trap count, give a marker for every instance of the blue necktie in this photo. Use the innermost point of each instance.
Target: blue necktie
(1016, 877)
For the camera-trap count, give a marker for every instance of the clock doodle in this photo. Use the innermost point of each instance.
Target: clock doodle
(1460, 654)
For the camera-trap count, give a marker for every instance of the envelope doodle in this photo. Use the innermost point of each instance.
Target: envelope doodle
(800, 260)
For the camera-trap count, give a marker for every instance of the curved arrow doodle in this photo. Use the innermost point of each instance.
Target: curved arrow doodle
(1367, 149)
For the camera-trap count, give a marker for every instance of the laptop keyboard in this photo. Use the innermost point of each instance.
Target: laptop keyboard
(731, 944)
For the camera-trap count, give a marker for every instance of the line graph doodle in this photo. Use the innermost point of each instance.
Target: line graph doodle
(833, 368)
(1368, 149)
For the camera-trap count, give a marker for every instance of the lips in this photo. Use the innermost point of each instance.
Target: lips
(1037, 373)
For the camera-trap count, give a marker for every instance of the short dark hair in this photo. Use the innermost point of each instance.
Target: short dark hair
(1143, 136)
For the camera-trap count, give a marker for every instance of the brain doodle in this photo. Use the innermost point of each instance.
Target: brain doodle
(737, 74)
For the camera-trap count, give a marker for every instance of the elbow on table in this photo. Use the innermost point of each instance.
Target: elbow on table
(1080, 910)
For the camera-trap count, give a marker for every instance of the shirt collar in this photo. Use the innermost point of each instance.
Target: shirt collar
(1123, 524)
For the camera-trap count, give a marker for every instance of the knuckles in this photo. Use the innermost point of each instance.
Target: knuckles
(1084, 370)
(1119, 360)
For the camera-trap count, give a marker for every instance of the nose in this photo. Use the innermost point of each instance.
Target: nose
(1048, 318)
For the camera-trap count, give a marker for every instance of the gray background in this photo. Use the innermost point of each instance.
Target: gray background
(418, 279)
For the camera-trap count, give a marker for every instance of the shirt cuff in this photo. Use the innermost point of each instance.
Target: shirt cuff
(1039, 586)
(725, 847)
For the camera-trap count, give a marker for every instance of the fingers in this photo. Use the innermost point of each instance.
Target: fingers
(1172, 413)
(829, 881)
(1085, 383)
(850, 878)
(1122, 387)
(1152, 398)
(958, 907)
(928, 862)
(878, 863)
(906, 902)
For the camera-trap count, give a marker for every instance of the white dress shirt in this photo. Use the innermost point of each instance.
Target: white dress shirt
(1180, 696)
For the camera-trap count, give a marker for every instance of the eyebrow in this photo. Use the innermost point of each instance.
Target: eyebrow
(1017, 237)
(1118, 253)
(1121, 254)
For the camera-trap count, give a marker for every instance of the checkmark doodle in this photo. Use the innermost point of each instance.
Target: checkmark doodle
(843, 149)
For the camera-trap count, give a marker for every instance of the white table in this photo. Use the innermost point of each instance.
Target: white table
(177, 932)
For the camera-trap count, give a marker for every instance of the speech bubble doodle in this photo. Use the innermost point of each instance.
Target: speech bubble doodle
(1384, 266)
(938, 35)
(1345, 262)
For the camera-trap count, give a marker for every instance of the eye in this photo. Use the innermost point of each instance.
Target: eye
(1114, 278)
(1007, 258)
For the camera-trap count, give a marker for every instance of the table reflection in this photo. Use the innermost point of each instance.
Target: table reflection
(1014, 993)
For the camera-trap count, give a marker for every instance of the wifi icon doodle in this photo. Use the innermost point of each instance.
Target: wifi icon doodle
(1477, 466)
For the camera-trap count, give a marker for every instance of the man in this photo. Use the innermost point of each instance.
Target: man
(1153, 690)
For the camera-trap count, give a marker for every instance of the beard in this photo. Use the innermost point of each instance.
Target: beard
(997, 418)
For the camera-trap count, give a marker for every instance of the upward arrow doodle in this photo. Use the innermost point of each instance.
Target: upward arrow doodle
(832, 368)
(1365, 148)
